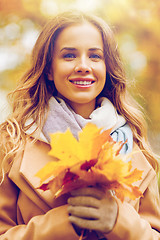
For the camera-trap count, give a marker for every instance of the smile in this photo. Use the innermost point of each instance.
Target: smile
(82, 82)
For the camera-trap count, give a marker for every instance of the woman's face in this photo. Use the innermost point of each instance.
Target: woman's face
(78, 67)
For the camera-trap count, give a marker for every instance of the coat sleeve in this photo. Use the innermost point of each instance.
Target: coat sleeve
(53, 225)
(141, 225)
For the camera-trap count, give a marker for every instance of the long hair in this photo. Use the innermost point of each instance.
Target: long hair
(30, 98)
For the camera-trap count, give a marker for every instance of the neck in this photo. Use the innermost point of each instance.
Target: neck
(83, 109)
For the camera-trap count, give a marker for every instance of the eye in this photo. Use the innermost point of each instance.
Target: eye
(69, 56)
(95, 56)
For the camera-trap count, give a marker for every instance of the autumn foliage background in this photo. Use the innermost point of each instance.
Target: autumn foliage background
(137, 30)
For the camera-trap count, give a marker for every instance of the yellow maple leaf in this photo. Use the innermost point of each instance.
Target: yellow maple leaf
(70, 151)
(49, 170)
(64, 147)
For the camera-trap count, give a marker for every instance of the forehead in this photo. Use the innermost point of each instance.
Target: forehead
(77, 35)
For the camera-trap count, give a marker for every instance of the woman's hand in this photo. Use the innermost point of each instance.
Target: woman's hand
(92, 208)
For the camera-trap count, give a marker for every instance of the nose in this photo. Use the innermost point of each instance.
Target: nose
(83, 66)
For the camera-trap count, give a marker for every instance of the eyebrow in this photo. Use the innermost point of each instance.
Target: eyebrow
(75, 49)
(68, 48)
(95, 49)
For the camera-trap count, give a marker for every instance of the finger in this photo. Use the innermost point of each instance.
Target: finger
(89, 191)
(84, 223)
(84, 201)
(84, 212)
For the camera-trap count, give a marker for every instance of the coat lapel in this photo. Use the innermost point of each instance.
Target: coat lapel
(23, 172)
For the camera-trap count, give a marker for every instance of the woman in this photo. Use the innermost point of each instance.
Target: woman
(76, 77)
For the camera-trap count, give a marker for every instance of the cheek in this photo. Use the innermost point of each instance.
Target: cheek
(102, 76)
(63, 69)
(101, 71)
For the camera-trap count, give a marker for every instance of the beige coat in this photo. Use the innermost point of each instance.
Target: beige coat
(27, 213)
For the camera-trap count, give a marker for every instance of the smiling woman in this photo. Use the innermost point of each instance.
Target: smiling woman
(76, 77)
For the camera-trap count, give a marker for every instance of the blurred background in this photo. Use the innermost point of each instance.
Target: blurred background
(137, 30)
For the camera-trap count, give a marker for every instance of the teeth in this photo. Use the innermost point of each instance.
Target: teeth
(82, 82)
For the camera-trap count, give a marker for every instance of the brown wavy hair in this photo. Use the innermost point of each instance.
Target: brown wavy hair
(30, 98)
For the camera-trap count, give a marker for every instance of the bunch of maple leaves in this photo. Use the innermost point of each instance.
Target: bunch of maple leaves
(93, 159)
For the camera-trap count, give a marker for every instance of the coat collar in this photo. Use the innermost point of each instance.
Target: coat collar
(35, 156)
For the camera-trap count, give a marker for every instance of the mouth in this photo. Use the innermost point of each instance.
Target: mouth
(82, 82)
